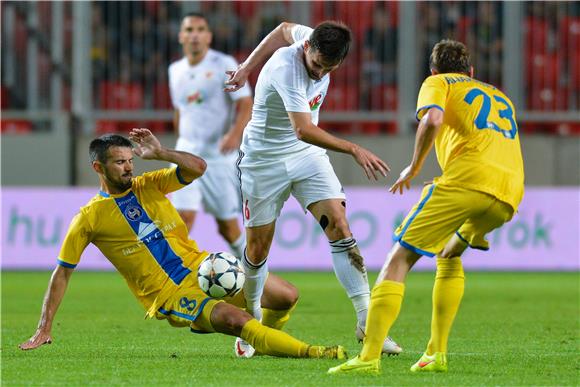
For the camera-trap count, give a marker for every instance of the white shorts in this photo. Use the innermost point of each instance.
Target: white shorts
(267, 183)
(218, 189)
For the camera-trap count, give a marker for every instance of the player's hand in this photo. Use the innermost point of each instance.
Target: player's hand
(404, 180)
(39, 338)
(230, 143)
(237, 79)
(148, 146)
(370, 162)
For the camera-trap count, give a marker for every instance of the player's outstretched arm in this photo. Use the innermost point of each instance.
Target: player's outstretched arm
(149, 148)
(54, 295)
(426, 132)
(308, 132)
(280, 37)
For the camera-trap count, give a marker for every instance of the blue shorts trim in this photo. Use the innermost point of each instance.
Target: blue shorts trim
(183, 315)
(427, 107)
(65, 264)
(467, 243)
(416, 249)
(419, 208)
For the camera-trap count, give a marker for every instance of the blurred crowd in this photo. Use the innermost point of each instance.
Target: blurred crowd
(134, 42)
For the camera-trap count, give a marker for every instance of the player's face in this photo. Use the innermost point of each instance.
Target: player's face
(118, 169)
(194, 36)
(316, 66)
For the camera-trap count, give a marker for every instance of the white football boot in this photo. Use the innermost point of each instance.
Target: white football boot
(389, 346)
(243, 349)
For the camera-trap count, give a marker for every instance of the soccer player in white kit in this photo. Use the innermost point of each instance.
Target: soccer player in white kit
(283, 152)
(206, 127)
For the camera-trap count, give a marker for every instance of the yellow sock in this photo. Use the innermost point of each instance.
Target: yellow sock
(273, 342)
(447, 294)
(276, 319)
(386, 299)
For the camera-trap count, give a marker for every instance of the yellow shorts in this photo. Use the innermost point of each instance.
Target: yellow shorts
(445, 210)
(190, 306)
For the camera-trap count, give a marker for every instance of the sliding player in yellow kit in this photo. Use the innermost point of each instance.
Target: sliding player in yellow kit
(137, 228)
(473, 127)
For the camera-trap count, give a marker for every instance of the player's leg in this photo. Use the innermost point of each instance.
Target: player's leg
(447, 294)
(319, 191)
(425, 230)
(230, 231)
(450, 279)
(231, 320)
(347, 260)
(265, 186)
(278, 301)
(386, 299)
(254, 259)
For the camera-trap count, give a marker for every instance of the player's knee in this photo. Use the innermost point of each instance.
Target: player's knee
(289, 297)
(453, 249)
(228, 233)
(338, 228)
(229, 319)
(256, 252)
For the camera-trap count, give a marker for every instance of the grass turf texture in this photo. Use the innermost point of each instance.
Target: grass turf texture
(512, 329)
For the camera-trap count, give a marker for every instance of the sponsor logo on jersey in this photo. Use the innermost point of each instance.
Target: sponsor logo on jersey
(196, 97)
(315, 102)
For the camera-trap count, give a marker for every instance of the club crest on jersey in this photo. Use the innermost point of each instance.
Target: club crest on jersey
(315, 102)
(195, 98)
(133, 213)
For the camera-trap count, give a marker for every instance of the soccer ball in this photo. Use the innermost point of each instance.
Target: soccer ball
(220, 275)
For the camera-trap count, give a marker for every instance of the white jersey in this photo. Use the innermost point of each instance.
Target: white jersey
(283, 86)
(205, 110)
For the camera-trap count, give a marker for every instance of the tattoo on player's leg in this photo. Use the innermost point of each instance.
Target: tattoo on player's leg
(356, 259)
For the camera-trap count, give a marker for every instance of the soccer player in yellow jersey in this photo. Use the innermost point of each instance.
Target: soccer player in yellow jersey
(135, 226)
(473, 127)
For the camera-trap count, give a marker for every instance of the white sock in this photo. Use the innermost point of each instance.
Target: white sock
(361, 306)
(254, 285)
(237, 246)
(353, 278)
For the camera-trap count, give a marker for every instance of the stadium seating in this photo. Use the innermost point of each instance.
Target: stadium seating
(122, 96)
(15, 127)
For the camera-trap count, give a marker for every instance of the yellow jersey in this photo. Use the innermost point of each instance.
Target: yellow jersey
(142, 235)
(478, 145)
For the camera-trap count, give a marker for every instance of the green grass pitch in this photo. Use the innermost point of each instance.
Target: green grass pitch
(512, 329)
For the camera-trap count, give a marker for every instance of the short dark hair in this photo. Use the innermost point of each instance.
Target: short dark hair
(332, 39)
(450, 56)
(99, 146)
(196, 14)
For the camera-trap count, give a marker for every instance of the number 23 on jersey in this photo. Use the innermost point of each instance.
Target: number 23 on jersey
(492, 103)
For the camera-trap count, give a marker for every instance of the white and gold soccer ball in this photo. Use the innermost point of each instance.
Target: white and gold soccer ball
(220, 275)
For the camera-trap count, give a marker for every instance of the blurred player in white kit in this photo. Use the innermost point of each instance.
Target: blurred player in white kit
(283, 152)
(204, 119)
